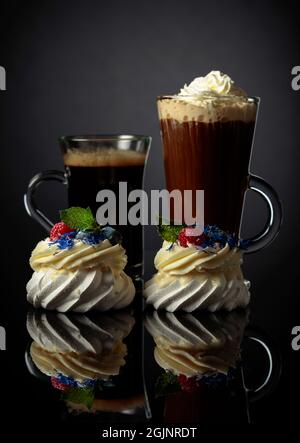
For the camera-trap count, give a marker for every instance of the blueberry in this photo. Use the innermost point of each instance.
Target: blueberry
(112, 235)
(90, 237)
(81, 235)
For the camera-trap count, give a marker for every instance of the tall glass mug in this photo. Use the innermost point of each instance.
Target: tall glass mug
(95, 163)
(208, 147)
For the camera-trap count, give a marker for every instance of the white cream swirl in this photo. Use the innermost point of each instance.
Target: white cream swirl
(190, 279)
(79, 291)
(215, 83)
(177, 260)
(211, 291)
(81, 256)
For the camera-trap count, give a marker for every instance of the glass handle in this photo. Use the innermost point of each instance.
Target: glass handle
(29, 201)
(272, 226)
(274, 371)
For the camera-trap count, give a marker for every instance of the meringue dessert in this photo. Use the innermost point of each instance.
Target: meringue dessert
(191, 278)
(80, 267)
(197, 346)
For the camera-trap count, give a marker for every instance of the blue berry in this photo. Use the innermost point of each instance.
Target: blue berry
(112, 235)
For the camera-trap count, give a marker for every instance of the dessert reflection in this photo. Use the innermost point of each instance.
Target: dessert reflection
(203, 377)
(93, 362)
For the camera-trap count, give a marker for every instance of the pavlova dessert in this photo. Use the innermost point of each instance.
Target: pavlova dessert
(198, 271)
(79, 267)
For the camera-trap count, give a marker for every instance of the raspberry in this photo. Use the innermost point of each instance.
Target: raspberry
(187, 384)
(59, 229)
(186, 237)
(58, 385)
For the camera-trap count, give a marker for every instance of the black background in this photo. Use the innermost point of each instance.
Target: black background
(96, 67)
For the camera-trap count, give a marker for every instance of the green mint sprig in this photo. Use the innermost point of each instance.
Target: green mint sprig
(84, 396)
(167, 383)
(168, 232)
(79, 218)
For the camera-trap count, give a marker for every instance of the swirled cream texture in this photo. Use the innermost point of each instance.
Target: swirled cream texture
(212, 98)
(80, 256)
(194, 346)
(79, 279)
(80, 367)
(79, 347)
(176, 260)
(214, 83)
(78, 334)
(189, 279)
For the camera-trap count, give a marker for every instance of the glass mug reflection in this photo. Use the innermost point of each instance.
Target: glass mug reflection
(203, 367)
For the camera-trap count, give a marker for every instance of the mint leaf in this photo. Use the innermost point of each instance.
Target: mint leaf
(166, 383)
(83, 396)
(169, 232)
(79, 218)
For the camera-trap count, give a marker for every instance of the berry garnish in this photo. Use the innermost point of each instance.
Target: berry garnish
(58, 385)
(187, 237)
(112, 235)
(58, 230)
(188, 384)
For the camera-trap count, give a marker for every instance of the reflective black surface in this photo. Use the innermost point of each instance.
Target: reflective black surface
(141, 391)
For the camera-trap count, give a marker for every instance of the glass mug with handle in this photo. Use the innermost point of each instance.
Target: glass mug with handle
(208, 147)
(94, 163)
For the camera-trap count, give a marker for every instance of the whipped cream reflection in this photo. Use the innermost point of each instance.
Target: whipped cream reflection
(196, 346)
(78, 347)
(85, 357)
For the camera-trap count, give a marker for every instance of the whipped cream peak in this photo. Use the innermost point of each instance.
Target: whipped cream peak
(214, 84)
(214, 97)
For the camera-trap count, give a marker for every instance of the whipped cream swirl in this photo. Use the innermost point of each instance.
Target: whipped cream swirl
(79, 278)
(81, 256)
(176, 260)
(208, 99)
(211, 291)
(80, 291)
(215, 83)
(190, 278)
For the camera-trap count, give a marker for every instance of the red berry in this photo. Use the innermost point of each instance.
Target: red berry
(59, 229)
(187, 384)
(186, 237)
(181, 378)
(57, 385)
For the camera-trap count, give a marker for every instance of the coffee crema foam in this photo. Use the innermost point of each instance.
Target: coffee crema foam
(104, 158)
(207, 109)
